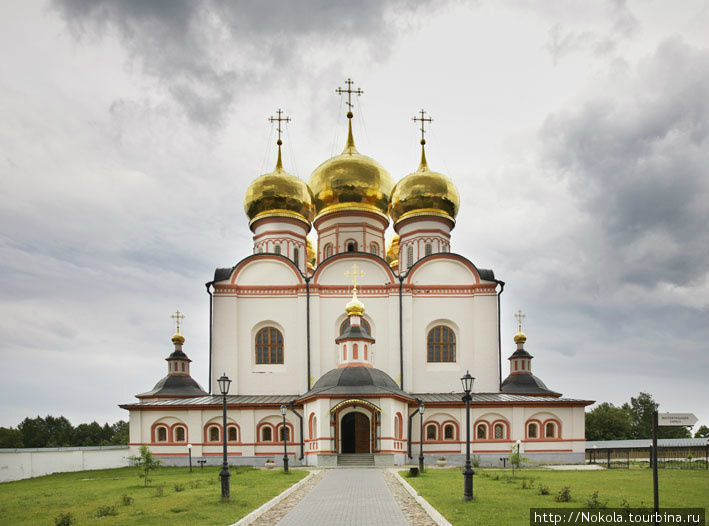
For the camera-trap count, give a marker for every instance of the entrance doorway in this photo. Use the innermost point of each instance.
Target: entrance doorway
(355, 433)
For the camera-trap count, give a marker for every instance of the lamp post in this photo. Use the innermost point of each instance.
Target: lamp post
(224, 383)
(189, 451)
(285, 439)
(468, 472)
(421, 408)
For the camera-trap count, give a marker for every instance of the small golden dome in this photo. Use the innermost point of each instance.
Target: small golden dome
(309, 253)
(354, 306)
(424, 192)
(393, 250)
(178, 338)
(351, 181)
(520, 337)
(279, 194)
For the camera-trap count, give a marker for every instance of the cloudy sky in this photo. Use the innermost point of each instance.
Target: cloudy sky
(576, 132)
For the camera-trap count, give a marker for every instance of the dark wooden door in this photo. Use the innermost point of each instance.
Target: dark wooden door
(361, 426)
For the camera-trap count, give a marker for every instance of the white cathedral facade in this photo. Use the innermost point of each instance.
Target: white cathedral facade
(353, 337)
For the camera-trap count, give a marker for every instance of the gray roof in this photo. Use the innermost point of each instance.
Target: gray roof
(217, 400)
(525, 383)
(646, 442)
(356, 381)
(175, 385)
(491, 397)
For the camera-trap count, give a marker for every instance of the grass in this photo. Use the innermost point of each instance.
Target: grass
(93, 496)
(503, 500)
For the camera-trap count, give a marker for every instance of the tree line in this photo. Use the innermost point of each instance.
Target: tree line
(53, 431)
(632, 420)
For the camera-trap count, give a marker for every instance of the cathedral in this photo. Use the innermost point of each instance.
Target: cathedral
(341, 347)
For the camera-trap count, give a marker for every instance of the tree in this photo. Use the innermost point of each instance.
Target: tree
(516, 459)
(10, 438)
(702, 432)
(608, 422)
(119, 433)
(145, 463)
(34, 432)
(641, 409)
(59, 431)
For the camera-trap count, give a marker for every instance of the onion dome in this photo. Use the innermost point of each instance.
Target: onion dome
(520, 337)
(310, 253)
(178, 338)
(350, 181)
(393, 251)
(279, 194)
(354, 306)
(424, 192)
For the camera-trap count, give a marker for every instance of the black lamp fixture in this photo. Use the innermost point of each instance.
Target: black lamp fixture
(224, 384)
(421, 408)
(468, 472)
(284, 433)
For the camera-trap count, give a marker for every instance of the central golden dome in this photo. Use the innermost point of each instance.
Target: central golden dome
(424, 192)
(279, 194)
(350, 181)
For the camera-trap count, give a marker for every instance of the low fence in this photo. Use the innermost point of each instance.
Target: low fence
(671, 453)
(16, 464)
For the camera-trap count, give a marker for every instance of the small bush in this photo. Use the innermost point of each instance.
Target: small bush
(564, 495)
(178, 510)
(544, 490)
(475, 461)
(527, 484)
(64, 519)
(126, 500)
(105, 511)
(179, 487)
(195, 484)
(625, 504)
(159, 491)
(595, 502)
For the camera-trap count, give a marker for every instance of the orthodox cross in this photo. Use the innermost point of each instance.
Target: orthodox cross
(178, 316)
(423, 121)
(354, 275)
(349, 92)
(279, 119)
(520, 317)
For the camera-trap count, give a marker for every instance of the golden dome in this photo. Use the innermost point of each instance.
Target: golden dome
(424, 192)
(178, 338)
(350, 181)
(279, 194)
(354, 306)
(309, 253)
(520, 337)
(393, 251)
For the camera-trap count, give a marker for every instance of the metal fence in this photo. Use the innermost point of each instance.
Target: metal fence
(669, 457)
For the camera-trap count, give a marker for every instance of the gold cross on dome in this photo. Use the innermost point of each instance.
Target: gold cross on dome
(178, 316)
(423, 120)
(279, 119)
(349, 92)
(520, 317)
(353, 274)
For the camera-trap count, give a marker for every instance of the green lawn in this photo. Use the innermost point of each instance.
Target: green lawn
(195, 500)
(501, 499)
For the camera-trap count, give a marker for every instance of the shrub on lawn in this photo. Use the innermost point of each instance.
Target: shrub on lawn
(475, 460)
(64, 519)
(159, 491)
(145, 462)
(544, 490)
(179, 487)
(106, 510)
(126, 500)
(564, 495)
(527, 484)
(595, 502)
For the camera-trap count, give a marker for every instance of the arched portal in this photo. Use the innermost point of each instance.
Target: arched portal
(355, 433)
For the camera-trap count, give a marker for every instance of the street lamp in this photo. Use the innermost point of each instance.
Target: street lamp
(421, 408)
(189, 450)
(224, 383)
(468, 472)
(285, 439)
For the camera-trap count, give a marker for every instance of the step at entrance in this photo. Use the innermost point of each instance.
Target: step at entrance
(355, 460)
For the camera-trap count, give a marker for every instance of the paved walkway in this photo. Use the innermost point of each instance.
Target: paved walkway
(347, 497)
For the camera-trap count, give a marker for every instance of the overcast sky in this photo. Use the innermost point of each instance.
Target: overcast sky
(577, 134)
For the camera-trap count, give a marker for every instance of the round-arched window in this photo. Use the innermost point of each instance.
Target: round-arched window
(269, 346)
(441, 344)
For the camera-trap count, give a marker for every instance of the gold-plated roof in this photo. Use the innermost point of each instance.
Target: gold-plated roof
(354, 306)
(520, 337)
(351, 178)
(279, 194)
(393, 252)
(424, 192)
(178, 338)
(309, 253)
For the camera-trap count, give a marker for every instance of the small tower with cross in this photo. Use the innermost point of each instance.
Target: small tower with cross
(355, 344)
(521, 360)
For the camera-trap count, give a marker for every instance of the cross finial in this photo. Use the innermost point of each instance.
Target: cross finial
(423, 120)
(279, 119)
(349, 92)
(353, 274)
(178, 316)
(520, 318)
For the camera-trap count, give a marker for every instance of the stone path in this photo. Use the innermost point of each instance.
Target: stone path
(414, 513)
(347, 497)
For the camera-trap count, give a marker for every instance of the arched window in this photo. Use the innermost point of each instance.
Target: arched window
(499, 431)
(431, 430)
(328, 250)
(429, 249)
(260, 250)
(266, 434)
(180, 435)
(296, 256)
(374, 249)
(314, 428)
(441, 344)
(284, 434)
(351, 246)
(269, 346)
(481, 432)
(449, 432)
(532, 430)
(161, 434)
(409, 256)
(213, 434)
(231, 434)
(398, 431)
(550, 430)
(277, 249)
(364, 323)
